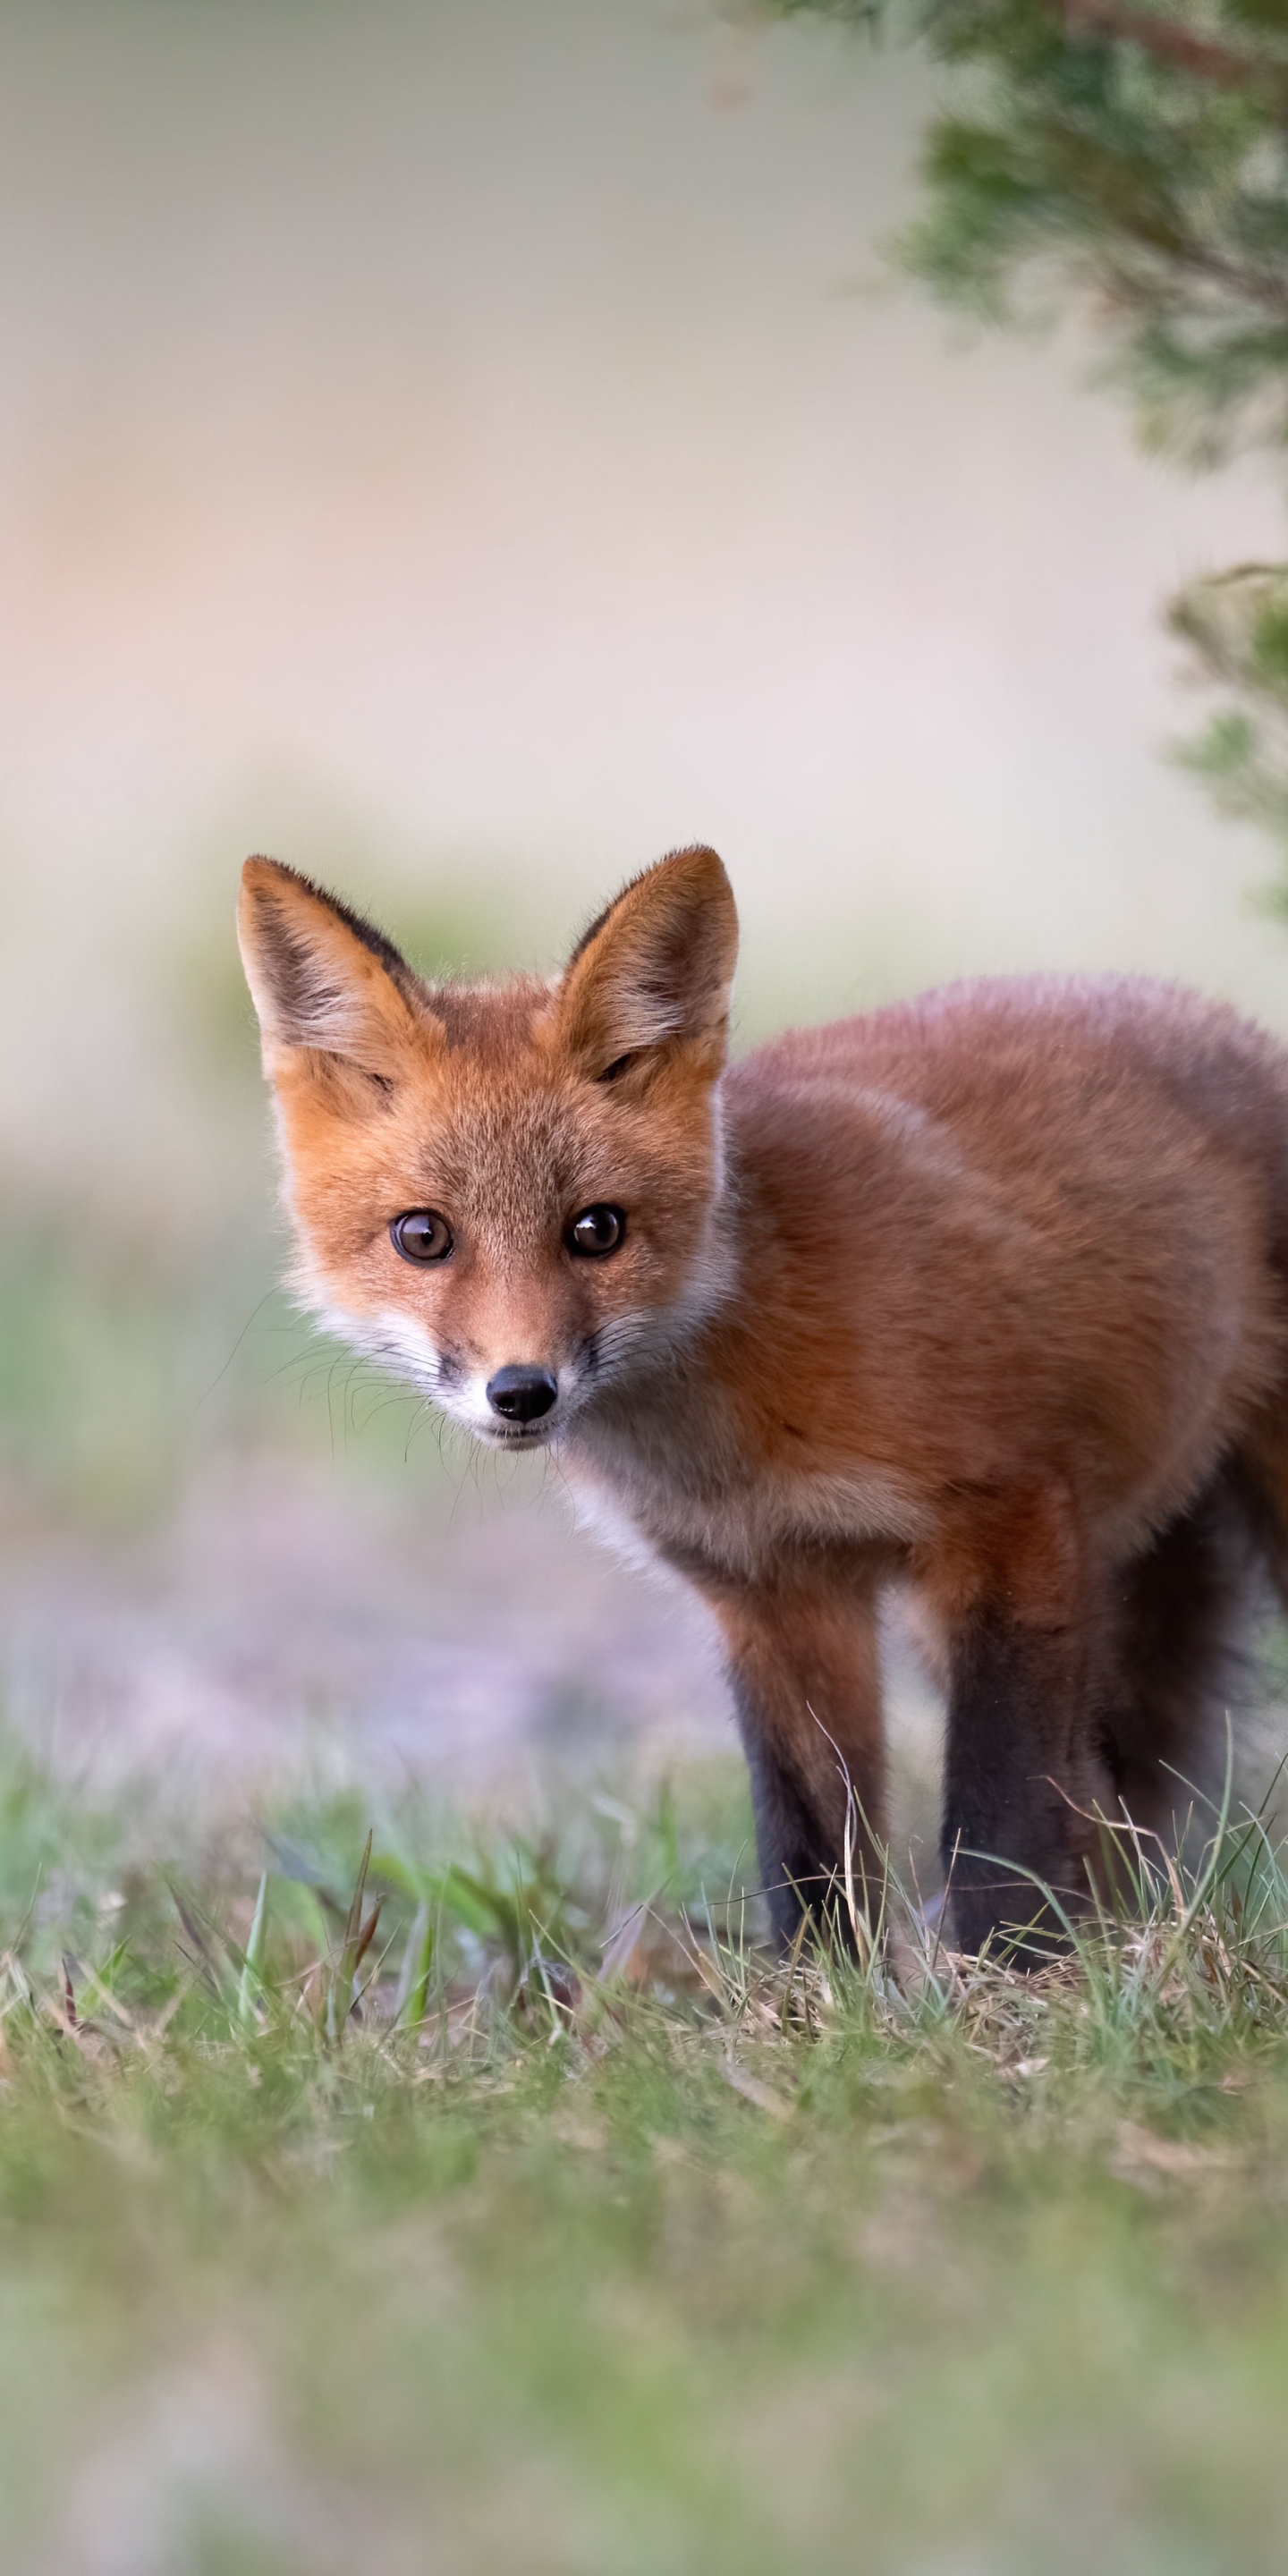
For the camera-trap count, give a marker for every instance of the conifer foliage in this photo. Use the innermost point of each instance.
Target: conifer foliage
(1130, 159)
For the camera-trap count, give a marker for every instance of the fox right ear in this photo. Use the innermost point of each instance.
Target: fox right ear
(654, 971)
(324, 982)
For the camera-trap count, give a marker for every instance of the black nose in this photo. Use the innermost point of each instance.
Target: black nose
(522, 1394)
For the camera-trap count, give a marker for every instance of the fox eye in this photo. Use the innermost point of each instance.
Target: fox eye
(421, 1235)
(596, 1231)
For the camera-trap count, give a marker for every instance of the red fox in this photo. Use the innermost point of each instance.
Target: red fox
(986, 1293)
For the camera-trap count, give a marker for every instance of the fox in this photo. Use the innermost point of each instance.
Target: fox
(981, 1296)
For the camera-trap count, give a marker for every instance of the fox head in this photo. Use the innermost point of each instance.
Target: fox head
(507, 1192)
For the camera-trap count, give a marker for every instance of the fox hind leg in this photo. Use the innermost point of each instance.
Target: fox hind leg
(1059, 1737)
(1022, 1780)
(1177, 1671)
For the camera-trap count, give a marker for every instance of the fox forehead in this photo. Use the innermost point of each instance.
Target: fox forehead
(507, 1148)
(496, 1129)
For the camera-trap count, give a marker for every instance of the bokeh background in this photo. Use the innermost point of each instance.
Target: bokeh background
(465, 450)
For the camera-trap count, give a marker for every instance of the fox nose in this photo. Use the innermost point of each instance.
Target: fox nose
(522, 1394)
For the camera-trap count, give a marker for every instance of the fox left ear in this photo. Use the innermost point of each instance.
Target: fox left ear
(655, 969)
(330, 989)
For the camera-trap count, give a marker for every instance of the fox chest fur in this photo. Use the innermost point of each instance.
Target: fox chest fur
(986, 1291)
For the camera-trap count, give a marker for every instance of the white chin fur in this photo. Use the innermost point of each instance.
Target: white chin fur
(514, 1435)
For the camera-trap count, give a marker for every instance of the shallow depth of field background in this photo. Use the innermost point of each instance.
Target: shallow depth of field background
(466, 448)
(466, 451)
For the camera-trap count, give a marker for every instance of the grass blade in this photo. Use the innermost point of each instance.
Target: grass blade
(250, 1984)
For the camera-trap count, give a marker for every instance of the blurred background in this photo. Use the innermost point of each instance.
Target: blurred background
(466, 451)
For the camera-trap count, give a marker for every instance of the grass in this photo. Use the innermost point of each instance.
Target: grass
(377, 2190)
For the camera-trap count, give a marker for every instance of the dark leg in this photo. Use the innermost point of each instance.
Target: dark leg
(1022, 1781)
(1178, 1669)
(806, 1682)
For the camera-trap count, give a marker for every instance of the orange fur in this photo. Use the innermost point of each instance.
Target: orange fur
(984, 1291)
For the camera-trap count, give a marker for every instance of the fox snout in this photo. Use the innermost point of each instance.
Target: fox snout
(504, 1402)
(513, 1403)
(521, 1401)
(523, 1395)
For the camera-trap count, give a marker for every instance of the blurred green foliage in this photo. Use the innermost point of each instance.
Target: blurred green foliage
(128, 1366)
(1128, 159)
(103, 1350)
(1237, 626)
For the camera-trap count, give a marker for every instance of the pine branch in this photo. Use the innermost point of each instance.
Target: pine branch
(1178, 47)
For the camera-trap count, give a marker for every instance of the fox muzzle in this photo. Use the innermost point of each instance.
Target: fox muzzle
(522, 1394)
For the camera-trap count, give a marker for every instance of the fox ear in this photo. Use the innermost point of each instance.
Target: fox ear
(324, 982)
(655, 968)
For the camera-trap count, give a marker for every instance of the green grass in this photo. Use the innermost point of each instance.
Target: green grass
(423, 2243)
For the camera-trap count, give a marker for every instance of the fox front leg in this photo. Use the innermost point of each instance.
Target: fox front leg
(804, 1667)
